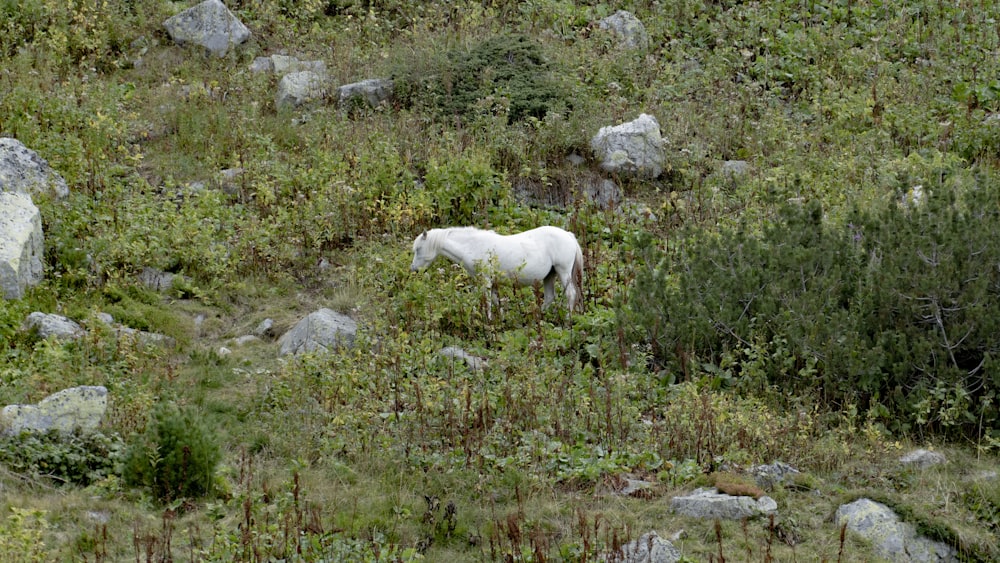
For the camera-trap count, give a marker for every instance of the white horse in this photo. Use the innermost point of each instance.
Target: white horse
(541, 254)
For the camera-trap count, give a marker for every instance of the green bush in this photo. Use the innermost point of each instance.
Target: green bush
(175, 458)
(506, 74)
(894, 310)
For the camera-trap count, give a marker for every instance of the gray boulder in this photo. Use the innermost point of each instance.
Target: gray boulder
(628, 28)
(649, 548)
(372, 92)
(634, 148)
(157, 280)
(21, 244)
(144, 337)
(298, 88)
(733, 169)
(892, 539)
(768, 476)
(474, 362)
(603, 193)
(922, 459)
(210, 25)
(709, 503)
(23, 171)
(70, 409)
(52, 326)
(265, 329)
(636, 487)
(319, 331)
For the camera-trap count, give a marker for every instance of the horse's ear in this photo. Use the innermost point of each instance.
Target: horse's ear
(423, 234)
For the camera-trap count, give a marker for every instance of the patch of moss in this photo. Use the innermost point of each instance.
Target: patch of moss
(735, 485)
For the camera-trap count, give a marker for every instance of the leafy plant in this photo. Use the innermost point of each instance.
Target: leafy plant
(76, 458)
(21, 536)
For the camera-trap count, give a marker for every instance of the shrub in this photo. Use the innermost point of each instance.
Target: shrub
(894, 310)
(69, 458)
(175, 458)
(509, 72)
(21, 536)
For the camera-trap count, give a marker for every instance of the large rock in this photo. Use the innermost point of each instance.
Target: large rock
(319, 331)
(209, 24)
(770, 476)
(297, 88)
(649, 548)
(632, 149)
(922, 459)
(23, 171)
(892, 539)
(475, 363)
(21, 244)
(53, 326)
(629, 30)
(709, 503)
(70, 409)
(372, 92)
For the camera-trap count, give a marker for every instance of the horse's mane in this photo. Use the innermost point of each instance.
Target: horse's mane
(435, 237)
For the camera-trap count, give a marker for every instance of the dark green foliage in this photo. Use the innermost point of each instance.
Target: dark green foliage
(75, 458)
(507, 71)
(983, 499)
(897, 310)
(175, 458)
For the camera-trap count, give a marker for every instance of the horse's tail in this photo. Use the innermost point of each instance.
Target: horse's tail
(578, 275)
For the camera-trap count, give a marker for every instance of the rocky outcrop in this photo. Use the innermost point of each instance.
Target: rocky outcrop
(58, 326)
(770, 476)
(627, 28)
(52, 326)
(633, 149)
(77, 408)
(649, 548)
(475, 363)
(371, 92)
(210, 25)
(709, 503)
(922, 459)
(319, 331)
(23, 171)
(21, 244)
(298, 88)
(891, 538)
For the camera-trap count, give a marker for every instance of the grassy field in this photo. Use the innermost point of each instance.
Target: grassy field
(388, 451)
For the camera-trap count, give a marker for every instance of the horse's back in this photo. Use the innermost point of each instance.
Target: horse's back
(551, 233)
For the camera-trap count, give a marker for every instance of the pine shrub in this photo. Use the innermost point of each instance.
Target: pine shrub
(508, 69)
(895, 310)
(175, 458)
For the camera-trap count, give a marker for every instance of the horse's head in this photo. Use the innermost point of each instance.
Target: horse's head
(423, 253)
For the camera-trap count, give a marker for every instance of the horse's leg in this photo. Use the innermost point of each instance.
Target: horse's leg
(550, 289)
(569, 288)
(492, 294)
